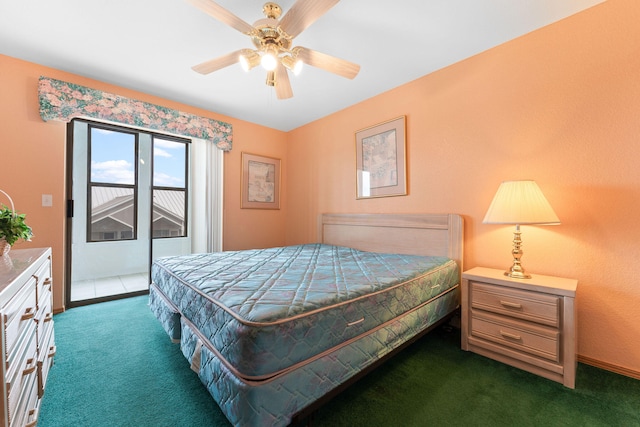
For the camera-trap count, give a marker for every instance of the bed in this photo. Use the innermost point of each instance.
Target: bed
(274, 333)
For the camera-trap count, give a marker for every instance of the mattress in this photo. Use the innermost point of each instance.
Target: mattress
(266, 312)
(165, 312)
(275, 401)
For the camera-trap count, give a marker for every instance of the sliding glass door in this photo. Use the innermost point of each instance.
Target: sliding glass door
(129, 204)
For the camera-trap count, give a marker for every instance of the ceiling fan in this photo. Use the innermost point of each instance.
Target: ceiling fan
(273, 40)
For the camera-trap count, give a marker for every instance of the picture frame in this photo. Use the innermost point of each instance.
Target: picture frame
(260, 182)
(381, 160)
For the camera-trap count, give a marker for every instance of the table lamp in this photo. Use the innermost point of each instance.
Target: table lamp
(519, 202)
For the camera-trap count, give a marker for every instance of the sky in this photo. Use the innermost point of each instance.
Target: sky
(113, 159)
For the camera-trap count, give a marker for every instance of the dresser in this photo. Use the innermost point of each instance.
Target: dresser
(526, 323)
(26, 325)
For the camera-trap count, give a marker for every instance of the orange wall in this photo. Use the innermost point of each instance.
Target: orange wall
(32, 163)
(560, 106)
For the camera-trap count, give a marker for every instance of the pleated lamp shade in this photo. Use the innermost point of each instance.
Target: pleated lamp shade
(520, 202)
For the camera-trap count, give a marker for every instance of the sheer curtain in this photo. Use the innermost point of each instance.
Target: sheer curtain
(206, 175)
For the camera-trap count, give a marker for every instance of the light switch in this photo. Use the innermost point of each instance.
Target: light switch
(47, 200)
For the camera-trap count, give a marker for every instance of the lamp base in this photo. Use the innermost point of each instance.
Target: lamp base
(517, 274)
(516, 271)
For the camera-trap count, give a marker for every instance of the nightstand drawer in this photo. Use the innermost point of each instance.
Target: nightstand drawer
(536, 340)
(525, 305)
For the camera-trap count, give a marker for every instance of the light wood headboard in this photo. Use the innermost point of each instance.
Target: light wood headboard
(414, 234)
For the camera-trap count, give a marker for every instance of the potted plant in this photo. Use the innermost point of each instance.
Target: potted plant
(12, 227)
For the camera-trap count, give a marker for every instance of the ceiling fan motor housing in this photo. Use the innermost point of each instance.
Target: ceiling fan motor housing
(267, 33)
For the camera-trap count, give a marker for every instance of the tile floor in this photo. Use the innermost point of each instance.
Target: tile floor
(96, 288)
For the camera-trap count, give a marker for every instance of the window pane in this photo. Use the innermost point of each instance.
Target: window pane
(168, 213)
(112, 213)
(113, 157)
(169, 163)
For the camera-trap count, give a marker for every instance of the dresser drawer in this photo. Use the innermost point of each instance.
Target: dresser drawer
(45, 298)
(44, 319)
(539, 341)
(18, 314)
(44, 282)
(26, 413)
(525, 305)
(45, 360)
(21, 369)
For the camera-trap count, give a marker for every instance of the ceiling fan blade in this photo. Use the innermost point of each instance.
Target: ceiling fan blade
(283, 85)
(223, 15)
(217, 63)
(327, 62)
(304, 13)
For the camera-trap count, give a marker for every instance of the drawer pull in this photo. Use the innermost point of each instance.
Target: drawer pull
(437, 285)
(48, 317)
(33, 413)
(28, 314)
(510, 336)
(510, 304)
(52, 351)
(30, 369)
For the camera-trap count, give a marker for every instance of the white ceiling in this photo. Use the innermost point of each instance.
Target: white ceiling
(150, 46)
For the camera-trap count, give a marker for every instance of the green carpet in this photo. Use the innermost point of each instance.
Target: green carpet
(115, 366)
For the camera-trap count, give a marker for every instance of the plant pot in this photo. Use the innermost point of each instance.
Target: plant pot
(4, 247)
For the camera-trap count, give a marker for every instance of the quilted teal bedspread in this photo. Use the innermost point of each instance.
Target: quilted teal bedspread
(267, 311)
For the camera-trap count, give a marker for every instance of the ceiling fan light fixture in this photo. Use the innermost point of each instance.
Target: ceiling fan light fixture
(292, 64)
(269, 60)
(249, 59)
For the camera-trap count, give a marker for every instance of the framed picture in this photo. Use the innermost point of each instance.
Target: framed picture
(260, 182)
(381, 164)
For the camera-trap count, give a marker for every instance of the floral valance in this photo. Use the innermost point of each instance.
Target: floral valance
(65, 101)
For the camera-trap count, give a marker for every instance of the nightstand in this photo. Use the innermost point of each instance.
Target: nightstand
(526, 323)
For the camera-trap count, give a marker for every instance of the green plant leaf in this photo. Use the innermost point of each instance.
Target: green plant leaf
(13, 226)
